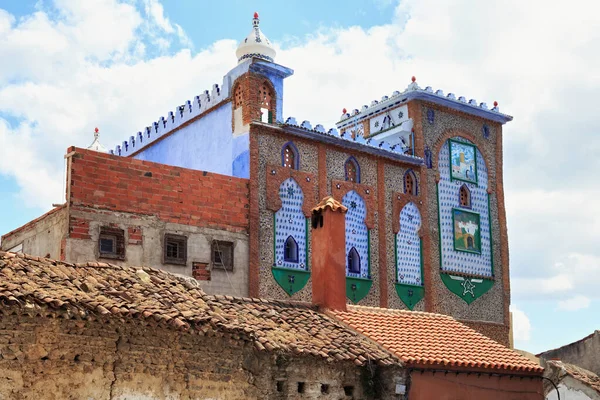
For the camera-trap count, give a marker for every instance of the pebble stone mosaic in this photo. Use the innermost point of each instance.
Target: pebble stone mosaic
(357, 234)
(449, 198)
(290, 221)
(408, 245)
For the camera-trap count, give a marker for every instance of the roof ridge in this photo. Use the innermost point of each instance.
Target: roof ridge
(398, 311)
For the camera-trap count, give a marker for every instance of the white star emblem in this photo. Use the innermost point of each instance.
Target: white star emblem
(468, 287)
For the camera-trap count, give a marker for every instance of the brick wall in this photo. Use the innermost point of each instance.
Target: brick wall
(177, 195)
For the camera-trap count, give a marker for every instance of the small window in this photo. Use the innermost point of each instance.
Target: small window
(352, 170)
(465, 196)
(238, 97)
(111, 243)
(290, 250)
(410, 183)
(175, 249)
(289, 156)
(222, 255)
(353, 261)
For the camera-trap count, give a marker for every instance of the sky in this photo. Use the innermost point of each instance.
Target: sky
(68, 66)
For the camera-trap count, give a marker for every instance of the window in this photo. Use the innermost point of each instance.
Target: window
(352, 170)
(222, 255)
(111, 243)
(238, 98)
(410, 183)
(174, 249)
(289, 156)
(465, 196)
(290, 250)
(353, 261)
(266, 103)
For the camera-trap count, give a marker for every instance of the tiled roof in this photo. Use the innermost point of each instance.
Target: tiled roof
(419, 338)
(332, 203)
(42, 286)
(583, 375)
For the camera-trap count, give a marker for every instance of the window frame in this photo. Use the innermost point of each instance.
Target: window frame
(181, 241)
(216, 246)
(415, 186)
(118, 237)
(295, 260)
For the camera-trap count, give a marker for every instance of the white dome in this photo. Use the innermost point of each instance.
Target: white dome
(96, 145)
(255, 45)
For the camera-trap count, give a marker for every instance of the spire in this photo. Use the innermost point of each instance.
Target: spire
(96, 146)
(255, 45)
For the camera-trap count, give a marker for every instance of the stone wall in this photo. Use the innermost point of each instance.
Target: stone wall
(41, 237)
(56, 358)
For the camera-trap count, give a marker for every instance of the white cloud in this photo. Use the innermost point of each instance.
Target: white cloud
(574, 303)
(521, 324)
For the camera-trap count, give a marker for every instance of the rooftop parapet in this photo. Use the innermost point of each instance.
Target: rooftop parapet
(176, 118)
(370, 145)
(415, 92)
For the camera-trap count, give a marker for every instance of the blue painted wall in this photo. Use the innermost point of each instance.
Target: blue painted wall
(205, 144)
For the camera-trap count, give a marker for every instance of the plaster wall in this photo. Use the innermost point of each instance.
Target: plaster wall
(40, 237)
(572, 389)
(206, 144)
(450, 386)
(150, 251)
(584, 353)
(57, 358)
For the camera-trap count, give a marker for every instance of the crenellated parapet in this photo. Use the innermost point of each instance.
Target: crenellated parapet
(415, 92)
(393, 150)
(181, 115)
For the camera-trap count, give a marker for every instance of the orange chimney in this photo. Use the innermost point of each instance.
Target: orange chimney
(329, 254)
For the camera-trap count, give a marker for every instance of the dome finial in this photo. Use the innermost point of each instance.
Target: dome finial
(256, 44)
(96, 146)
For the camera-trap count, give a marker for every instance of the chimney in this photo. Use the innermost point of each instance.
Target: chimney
(329, 254)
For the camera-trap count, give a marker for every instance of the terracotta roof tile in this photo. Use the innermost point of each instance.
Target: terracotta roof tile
(583, 375)
(420, 338)
(43, 286)
(331, 203)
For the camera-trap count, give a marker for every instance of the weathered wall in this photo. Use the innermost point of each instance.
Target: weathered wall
(451, 386)
(572, 389)
(56, 359)
(584, 353)
(144, 246)
(147, 200)
(40, 237)
(173, 194)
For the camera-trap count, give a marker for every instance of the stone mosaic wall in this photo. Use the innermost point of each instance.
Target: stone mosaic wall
(357, 234)
(448, 195)
(290, 221)
(408, 247)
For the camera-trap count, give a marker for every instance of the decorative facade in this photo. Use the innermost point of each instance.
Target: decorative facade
(419, 171)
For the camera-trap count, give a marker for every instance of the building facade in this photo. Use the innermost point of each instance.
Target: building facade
(222, 190)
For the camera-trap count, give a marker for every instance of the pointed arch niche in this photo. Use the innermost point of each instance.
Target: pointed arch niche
(289, 156)
(358, 271)
(267, 102)
(409, 257)
(464, 196)
(352, 170)
(410, 183)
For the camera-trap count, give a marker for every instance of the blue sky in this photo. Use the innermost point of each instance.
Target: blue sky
(69, 66)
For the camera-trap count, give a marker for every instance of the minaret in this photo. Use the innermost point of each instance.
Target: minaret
(96, 146)
(256, 44)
